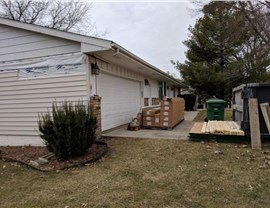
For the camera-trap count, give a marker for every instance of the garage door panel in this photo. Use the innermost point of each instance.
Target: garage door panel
(120, 100)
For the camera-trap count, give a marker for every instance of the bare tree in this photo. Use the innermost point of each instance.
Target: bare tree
(24, 11)
(257, 14)
(67, 15)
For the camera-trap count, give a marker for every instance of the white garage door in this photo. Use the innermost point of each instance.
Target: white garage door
(120, 100)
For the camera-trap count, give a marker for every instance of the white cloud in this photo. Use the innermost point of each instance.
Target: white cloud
(153, 31)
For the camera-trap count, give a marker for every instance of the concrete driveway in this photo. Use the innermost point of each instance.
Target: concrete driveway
(180, 132)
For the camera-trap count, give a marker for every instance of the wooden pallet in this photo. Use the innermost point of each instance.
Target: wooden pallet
(161, 127)
(134, 128)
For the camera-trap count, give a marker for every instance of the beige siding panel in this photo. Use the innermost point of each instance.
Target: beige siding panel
(18, 123)
(33, 46)
(21, 44)
(18, 128)
(21, 140)
(8, 79)
(18, 119)
(67, 49)
(14, 34)
(47, 95)
(41, 90)
(4, 28)
(46, 104)
(23, 110)
(40, 100)
(19, 133)
(20, 115)
(8, 74)
(43, 80)
(21, 101)
(42, 86)
(32, 38)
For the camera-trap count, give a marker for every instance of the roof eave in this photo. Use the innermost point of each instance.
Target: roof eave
(57, 33)
(133, 56)
(100, 44)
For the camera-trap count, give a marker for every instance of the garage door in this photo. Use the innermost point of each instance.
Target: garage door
(120, 100)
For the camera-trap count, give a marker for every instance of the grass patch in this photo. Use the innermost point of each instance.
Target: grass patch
(202, 114)
(147, 173)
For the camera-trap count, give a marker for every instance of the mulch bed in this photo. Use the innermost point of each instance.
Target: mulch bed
(25, 154)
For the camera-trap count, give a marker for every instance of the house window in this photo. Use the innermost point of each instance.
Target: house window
(162, 89)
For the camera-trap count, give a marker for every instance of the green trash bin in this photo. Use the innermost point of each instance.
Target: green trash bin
(215, 109)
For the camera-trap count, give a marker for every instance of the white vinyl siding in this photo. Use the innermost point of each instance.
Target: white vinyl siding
(22, 100)
(21, 44)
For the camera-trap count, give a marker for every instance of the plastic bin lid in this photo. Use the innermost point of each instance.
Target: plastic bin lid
(215, 101)
(258, 85)
(251, 85)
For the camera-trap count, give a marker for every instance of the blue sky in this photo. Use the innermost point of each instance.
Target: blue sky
(153, 30)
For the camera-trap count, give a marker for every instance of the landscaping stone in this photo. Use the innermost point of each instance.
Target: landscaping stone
(218, 152)
(35, 157)
(33, 163)
(41, 161)
(48, 156)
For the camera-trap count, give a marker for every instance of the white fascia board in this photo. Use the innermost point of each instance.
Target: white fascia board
(88, 48)
(57, 33)
(127, 53)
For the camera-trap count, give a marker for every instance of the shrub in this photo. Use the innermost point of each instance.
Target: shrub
(70, 130)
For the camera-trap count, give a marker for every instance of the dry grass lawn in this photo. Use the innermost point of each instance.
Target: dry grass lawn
(148, 173)
(202, 114)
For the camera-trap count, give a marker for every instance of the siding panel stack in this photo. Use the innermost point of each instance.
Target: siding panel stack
(167, 116)
(171, 112)
(149, 117)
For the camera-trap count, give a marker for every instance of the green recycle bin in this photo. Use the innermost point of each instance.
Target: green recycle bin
(215, 109)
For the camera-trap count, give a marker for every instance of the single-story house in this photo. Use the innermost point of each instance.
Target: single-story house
(39, 65)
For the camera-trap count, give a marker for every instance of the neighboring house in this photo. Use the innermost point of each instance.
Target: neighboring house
(39, 65)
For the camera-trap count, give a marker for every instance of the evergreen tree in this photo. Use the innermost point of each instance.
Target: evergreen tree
(220, 53)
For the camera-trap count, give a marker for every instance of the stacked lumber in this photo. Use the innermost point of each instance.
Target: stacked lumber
(266, 114)
(222, 127)
(254, 123)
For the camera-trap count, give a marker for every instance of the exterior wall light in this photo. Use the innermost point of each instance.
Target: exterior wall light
(95, 69)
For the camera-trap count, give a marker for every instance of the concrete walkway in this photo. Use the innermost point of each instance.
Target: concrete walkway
(180, 132)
